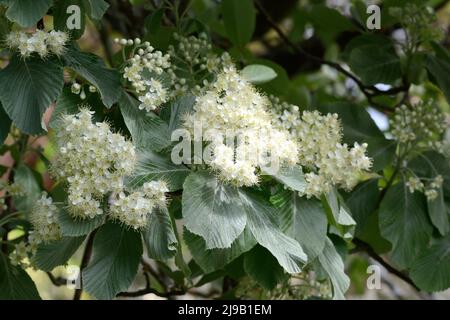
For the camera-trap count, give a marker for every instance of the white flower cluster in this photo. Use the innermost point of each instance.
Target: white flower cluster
(41, 42)
(133, 209)
(422, 124)
(44, 218)
(233, 106)
(186, 67)
(144, 73)
(23, 250)
(93, 160)
(319, 140)
(431, 189)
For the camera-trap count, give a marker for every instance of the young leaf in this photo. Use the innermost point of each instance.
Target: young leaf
(159, 235)
(29, 86)
(56, 253)
(338, 214)
(212, 210)
(115, 260)
(403, 221)
(15, 283)
(439, 69)
(290, 176)
(258, 73)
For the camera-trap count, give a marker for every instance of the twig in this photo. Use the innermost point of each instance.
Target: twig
(369, 91)
(371, 252)
(154, 291)
(57, 281)
(84, 262)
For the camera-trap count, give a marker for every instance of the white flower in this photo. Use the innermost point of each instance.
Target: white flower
(44, 219)
(40, 42)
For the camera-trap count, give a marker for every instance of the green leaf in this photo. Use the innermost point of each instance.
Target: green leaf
(69, 103)
(263, 267)
(78, 227)
(363, 201)
(147, 130)
(178, 110)
(328, 22)
(430, 270)
(27, 12)
(155, 166)
(290, 176)
(258, 73)
(403, 221)
(212, 210)
(338, 214)
(93, 69)
(262, 222)
(439, 69)
(159, 235)
(359, 127)
(25, 178)
(5, 125)
(97, 8)
(239, 18)
(211, 260)
(375, 64)
(15, 283)
(310, 225)
(439, 213)
(56, 253)
(116, 255)
(60, 17)
(29, 86)
(332, 263)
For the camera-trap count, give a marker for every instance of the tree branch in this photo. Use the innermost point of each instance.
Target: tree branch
(57, 281)
(84, 262)
(369, 91)
(371, 252)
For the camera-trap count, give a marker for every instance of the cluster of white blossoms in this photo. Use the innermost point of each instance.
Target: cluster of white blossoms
(93, 160)
(233, 107)
(133, 209)
(44, 218)
(145, 73)
(23, 250)
(41, 42)
(422, 125)
(157, 77)
(430, 189)
(320, 148)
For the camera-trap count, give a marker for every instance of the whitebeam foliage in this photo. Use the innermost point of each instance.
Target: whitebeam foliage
(190, 155)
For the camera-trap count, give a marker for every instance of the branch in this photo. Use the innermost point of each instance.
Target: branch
(369, 91)
(371, 252)
(57, 281)
(148, 290)
(84, 262)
